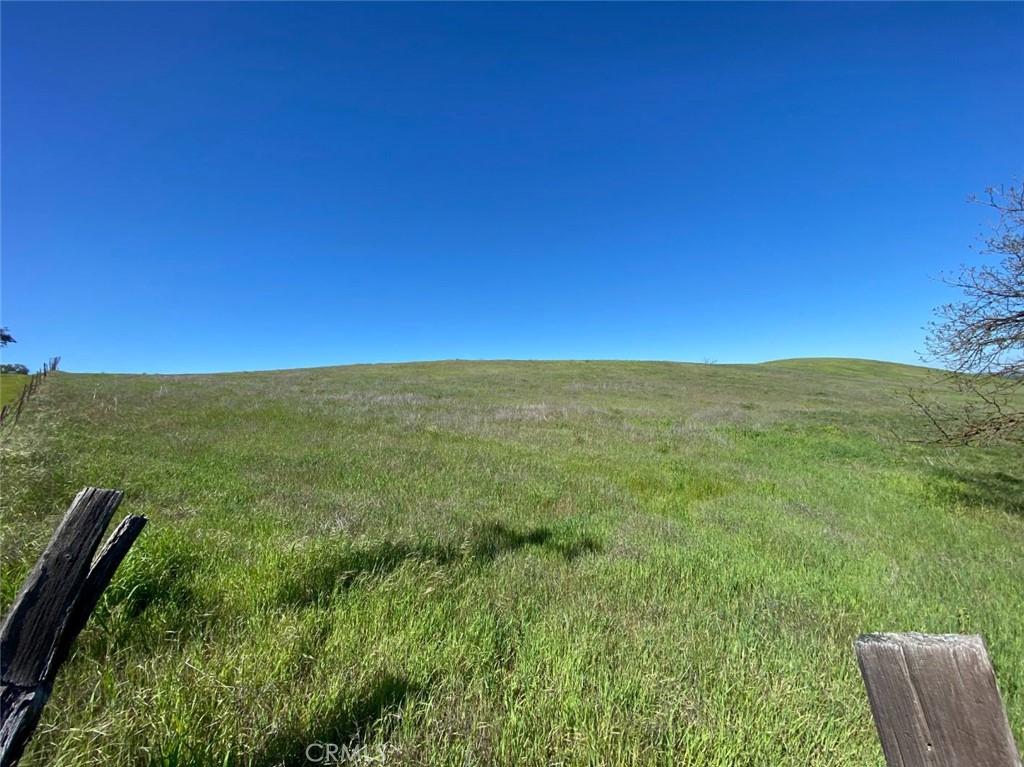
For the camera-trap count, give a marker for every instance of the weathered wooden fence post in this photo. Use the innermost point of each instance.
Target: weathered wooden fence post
(52, 608)
(935, 701)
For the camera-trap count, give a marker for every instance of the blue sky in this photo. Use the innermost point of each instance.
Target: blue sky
(232, 186)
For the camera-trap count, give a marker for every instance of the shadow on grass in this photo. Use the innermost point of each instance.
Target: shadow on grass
(493, 539)
(322, 571)
(370, 716)
(319, 573)
(995, 489)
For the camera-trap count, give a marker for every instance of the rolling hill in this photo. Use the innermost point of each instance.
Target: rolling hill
(510, 562)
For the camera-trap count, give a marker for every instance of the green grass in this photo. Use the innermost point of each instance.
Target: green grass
(11, 385)
(510, 562)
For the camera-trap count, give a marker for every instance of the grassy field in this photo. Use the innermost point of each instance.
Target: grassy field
(510, 562)
(11, 385)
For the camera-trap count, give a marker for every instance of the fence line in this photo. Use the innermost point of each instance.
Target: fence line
(14, 413)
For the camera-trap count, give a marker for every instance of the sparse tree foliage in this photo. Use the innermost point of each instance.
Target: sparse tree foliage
(6, 337)
(979, 339)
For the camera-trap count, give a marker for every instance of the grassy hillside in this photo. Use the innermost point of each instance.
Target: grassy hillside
(510, 562)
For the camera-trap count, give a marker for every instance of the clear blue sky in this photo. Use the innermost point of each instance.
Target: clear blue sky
(233, 186)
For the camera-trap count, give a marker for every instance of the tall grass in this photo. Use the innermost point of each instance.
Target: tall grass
(509, 563)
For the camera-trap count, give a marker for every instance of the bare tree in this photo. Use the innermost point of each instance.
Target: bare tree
(979, 340)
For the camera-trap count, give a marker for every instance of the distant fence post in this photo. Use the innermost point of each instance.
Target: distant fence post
(52, 608)
(935, 701)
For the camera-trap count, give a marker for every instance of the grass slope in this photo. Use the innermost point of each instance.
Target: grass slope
(510, 562)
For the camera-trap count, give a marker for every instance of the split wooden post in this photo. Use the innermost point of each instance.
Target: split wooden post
(935, 701)
(52, 608)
